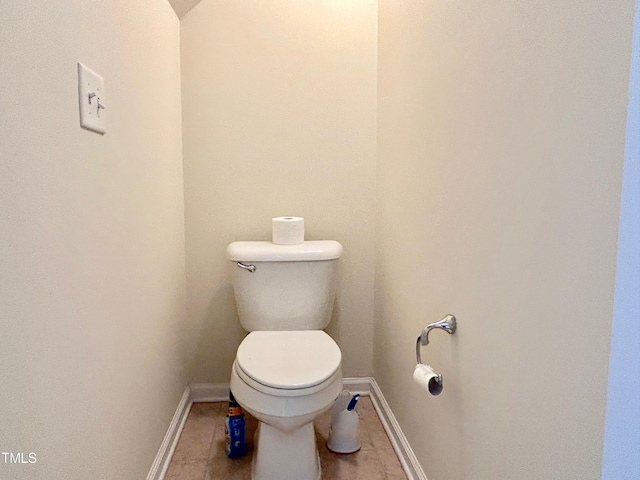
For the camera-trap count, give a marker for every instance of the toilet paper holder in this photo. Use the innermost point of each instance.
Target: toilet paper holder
(448, 324)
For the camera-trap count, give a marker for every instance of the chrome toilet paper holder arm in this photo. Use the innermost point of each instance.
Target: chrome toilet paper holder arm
(448, 324)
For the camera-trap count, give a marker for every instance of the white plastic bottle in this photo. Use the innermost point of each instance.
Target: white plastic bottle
(344, 436)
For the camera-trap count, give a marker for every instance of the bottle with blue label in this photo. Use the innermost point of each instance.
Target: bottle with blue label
(234, 429)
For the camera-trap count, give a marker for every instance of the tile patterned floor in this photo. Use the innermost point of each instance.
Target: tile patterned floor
(200, 453)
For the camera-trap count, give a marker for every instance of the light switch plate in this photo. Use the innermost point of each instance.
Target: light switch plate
(92, 99)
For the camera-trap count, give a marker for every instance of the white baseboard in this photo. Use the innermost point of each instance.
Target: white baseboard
(219, 392)
(209, 392)
(410, 464)
(168, 446)
(361, 385)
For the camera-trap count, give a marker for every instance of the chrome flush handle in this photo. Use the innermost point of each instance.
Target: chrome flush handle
(250, 268)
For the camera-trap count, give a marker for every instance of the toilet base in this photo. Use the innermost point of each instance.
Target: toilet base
(285, 455)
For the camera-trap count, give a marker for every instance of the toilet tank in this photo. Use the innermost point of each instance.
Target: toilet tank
(292, 287)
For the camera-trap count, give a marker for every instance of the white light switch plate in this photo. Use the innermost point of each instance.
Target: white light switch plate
(92, 99)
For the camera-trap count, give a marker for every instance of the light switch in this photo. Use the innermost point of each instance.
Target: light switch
(92, 99)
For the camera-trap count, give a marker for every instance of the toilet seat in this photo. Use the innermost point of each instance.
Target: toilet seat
(288, 363)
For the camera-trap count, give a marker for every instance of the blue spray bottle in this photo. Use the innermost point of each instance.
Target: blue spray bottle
(234, 429)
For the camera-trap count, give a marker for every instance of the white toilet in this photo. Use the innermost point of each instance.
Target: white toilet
(287, 370)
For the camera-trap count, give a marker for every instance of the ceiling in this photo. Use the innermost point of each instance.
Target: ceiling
(182, 7)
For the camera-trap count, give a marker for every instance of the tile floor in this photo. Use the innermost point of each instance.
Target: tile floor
(200, 453)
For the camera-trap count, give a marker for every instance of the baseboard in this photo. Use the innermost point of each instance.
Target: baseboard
(168, 446)
(400, 444)
(209, 392)
(219, 392)
(361, 385)
(368, 386)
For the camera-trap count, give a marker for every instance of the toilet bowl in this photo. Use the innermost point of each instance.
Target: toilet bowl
(285, 379)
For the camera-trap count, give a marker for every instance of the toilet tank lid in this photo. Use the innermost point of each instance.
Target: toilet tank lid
(310, 251)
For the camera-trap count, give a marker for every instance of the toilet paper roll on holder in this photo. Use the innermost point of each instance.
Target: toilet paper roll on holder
(448, 324)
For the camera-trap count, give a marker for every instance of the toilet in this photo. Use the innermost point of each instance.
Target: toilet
(287, 370)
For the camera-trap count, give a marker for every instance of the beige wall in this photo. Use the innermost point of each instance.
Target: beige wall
(92, 282)
(500, 146)
(500, 132)
(279, 118)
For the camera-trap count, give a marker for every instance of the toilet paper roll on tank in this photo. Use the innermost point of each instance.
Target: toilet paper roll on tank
(287, 230)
